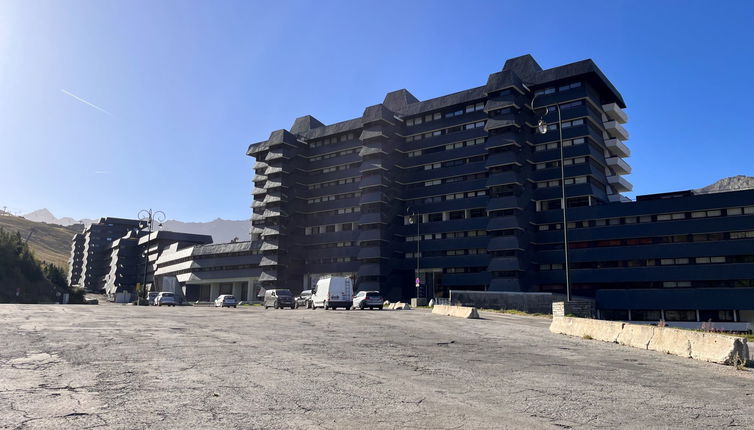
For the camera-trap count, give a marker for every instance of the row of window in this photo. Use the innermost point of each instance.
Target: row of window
(448, 147)
(447, 253)
(449, 235)
(565, 124)
(447, 180)
(328, 260)
(332, 155)
(330, 228)
(339, 211)
(447, 197)
(572, 202)
(678, 238)
(442, 131)
(747, 210)
(333, 183)
(568, 181)
(332, 197)
(450, 163)
(331, 245)
(555, 145)
(446, 216)
(334, 168)
(653, 262)
(450, 114)
(330, 140)
(556, 163)
(552, 90)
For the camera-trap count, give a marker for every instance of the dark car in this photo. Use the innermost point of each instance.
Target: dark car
(304, 299)
(278, 298)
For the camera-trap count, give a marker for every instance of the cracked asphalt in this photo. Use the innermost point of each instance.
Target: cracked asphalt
(121, 366)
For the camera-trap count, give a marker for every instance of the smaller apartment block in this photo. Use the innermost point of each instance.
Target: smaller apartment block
(95, 251)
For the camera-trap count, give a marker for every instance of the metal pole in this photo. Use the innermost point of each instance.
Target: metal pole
(146, 258)
(418, 238)
(563, 205)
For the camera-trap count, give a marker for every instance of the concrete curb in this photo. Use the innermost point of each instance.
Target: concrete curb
(711, 347)
(456, 311)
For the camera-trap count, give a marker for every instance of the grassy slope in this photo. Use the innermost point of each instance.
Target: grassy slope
(50, 242)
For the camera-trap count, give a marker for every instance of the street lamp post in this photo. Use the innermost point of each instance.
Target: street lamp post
(542, 129)
(147, 218)
(413, 218)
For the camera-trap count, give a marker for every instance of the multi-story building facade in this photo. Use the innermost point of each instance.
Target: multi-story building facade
(484, 185)
(97, 241)
(206, 271)
(151, 247)
(336, 199)
(76, 261)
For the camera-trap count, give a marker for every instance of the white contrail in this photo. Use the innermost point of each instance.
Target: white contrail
(84, 101)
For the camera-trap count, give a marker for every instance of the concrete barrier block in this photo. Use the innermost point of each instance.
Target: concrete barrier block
(401, 306)
(456, 311)
(718, 348)
(607, 331)
(671, 341)
(637, 336)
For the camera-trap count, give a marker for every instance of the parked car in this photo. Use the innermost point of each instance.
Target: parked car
(225, 300)
(333, 292)
(304, 299)
(165, 298)
(367, 299)
(151, 296)
(278, 298)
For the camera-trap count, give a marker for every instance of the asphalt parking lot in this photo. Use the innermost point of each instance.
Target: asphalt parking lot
(120, 366)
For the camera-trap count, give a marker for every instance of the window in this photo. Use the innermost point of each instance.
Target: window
(456, 215)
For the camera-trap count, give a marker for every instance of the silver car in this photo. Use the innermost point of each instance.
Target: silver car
(165, 298)
(367, 299)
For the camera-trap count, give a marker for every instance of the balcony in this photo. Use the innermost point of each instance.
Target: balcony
(269, 198)
(272, 230)
(371, 197)
(615, 113)
(273, 155)
(500, 243)
(503, 178)
(505, 284)
(260, 165)
(505, 223)
(267, 261)
(260, 178)
(371, 218)
(367, 235)
(619, 183)
(271, 170)
(257, 204)
(618, 148)
(493, 124)
(507, 202)
(273, 184)
(270, 213)
(268, 275)
(503, 158)
(258, 191)
(269, 245)
(616, 130)
(618, 165)
(371, 252)
(504, 264)
(371, 269)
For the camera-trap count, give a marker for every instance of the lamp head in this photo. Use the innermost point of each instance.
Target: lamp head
(542, 127)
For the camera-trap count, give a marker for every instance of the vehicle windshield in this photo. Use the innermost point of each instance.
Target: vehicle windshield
(283, 293)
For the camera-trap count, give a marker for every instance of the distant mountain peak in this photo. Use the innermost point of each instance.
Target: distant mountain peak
(733, 183)
(41, 215)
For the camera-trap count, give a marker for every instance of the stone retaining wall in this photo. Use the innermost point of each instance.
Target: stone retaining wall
(712, 347)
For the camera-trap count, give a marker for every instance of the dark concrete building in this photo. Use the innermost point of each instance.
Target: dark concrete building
(76, 261)
(97, 241)
(153, 245)
(337, 199)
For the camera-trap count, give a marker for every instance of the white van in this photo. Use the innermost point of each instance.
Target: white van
(332, 293)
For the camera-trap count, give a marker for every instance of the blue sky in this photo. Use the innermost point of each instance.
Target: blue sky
(185, 86)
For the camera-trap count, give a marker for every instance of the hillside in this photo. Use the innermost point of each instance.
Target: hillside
(733, 183)
(49, 242)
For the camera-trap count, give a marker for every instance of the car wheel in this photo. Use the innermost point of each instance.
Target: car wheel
(379, 307)
(234, 306)
(276, 305)
(361, 306)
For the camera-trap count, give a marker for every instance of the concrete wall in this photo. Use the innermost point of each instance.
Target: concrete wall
(712, 347)
(539, 303)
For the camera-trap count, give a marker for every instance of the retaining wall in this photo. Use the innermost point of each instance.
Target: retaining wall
(712, 347)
